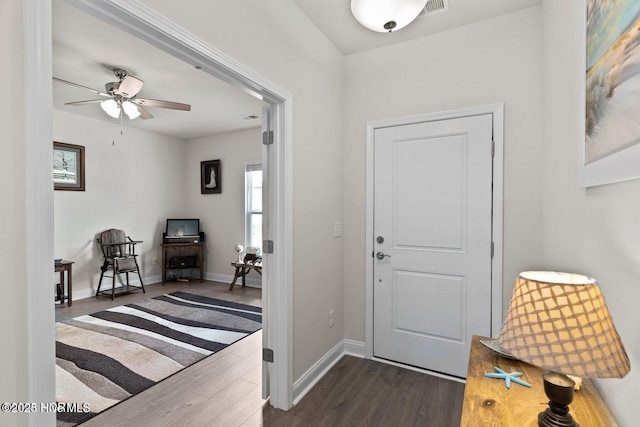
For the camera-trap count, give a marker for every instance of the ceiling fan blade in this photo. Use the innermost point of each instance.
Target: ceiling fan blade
(98, 92)
(144, 114)
(129, 86)
(90, 101)
(162, 104)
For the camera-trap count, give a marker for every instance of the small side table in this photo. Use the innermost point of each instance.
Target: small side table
(61, 267)
(242, 269)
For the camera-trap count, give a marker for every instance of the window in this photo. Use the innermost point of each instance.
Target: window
(253, 205)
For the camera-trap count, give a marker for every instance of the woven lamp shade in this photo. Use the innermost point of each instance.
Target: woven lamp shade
(560, 322)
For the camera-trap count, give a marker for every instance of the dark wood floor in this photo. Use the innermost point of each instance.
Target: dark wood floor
(359, 392)
(224, 389)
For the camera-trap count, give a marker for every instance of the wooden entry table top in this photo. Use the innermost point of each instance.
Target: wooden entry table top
(487, 402)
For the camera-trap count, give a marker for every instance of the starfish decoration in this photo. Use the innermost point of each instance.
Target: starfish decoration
(508, 377)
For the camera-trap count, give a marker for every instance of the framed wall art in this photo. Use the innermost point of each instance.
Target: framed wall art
(68, 167)
(210, 177)
(611, 149)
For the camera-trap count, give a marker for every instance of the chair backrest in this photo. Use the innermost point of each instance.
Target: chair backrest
(107, 238)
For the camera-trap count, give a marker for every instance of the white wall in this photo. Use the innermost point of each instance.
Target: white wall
(136, 181)
(221, 215)
(133, 182)
(594, 231)
(496, 60)
(13, 256)
(277, 40)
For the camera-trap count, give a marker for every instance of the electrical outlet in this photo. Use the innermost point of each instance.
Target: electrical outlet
(337, 229)
(332, 318)
(154, 260)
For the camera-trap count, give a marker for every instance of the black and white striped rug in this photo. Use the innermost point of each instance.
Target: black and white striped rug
(109, 356)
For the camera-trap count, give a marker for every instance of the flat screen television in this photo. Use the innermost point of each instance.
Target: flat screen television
(183, 227)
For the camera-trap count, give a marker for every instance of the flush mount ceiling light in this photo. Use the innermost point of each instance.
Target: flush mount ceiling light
(386, 15)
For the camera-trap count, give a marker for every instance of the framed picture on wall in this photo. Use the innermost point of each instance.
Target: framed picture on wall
(210, 177)
(68, 167)
(611, 149)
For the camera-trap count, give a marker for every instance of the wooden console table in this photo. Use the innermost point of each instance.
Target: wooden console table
(242, 269)
(487, 402)
(62, 266)
(196, 248)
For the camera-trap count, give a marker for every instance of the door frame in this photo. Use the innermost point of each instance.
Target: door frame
(497, 111)
(143, 22)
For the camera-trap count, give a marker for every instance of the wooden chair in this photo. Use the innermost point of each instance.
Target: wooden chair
(119, 252)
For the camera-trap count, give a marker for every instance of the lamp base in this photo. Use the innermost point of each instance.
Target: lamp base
(556, 416)
(559, 390)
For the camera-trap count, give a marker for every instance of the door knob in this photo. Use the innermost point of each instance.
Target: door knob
(381, 255)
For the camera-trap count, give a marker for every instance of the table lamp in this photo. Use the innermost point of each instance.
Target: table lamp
(560, 322)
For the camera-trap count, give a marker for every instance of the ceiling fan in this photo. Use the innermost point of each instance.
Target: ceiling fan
(122, 96)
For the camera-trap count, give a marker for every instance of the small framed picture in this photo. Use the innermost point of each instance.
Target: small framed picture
(210, 177)
(68, 167)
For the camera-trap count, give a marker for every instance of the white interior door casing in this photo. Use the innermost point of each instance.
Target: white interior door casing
(433, 210)
(147, 25)
(267, 185)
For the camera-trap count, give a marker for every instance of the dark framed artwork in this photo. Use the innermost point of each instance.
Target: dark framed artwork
(68, 167)
(210, 177)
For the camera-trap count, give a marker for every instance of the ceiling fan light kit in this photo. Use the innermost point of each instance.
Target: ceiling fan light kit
(111, 107)
(131, 110)
(386, 15)
(114, 108)
(122, 97)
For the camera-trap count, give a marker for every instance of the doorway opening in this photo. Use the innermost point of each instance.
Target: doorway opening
(277, 280)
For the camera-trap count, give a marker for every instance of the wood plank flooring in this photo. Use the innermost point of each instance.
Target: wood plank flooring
(248, 295)
(359, 392)
(224, 389)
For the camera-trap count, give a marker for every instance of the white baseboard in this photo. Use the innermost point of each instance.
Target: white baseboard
(83, 293)
(87, 293)
(226, 278)
(354, 348)
(314, 374)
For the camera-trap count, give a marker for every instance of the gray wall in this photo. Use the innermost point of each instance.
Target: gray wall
(497, 60)
(593, 231)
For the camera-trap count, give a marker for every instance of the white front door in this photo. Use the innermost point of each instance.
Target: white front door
(432, 241)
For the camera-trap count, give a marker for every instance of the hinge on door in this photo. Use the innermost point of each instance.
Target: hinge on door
(492, 249)
(267, 246)
(493, 148)
(267, 355)
(267, 137)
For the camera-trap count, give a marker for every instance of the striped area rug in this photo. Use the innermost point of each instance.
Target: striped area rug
(109, 356)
